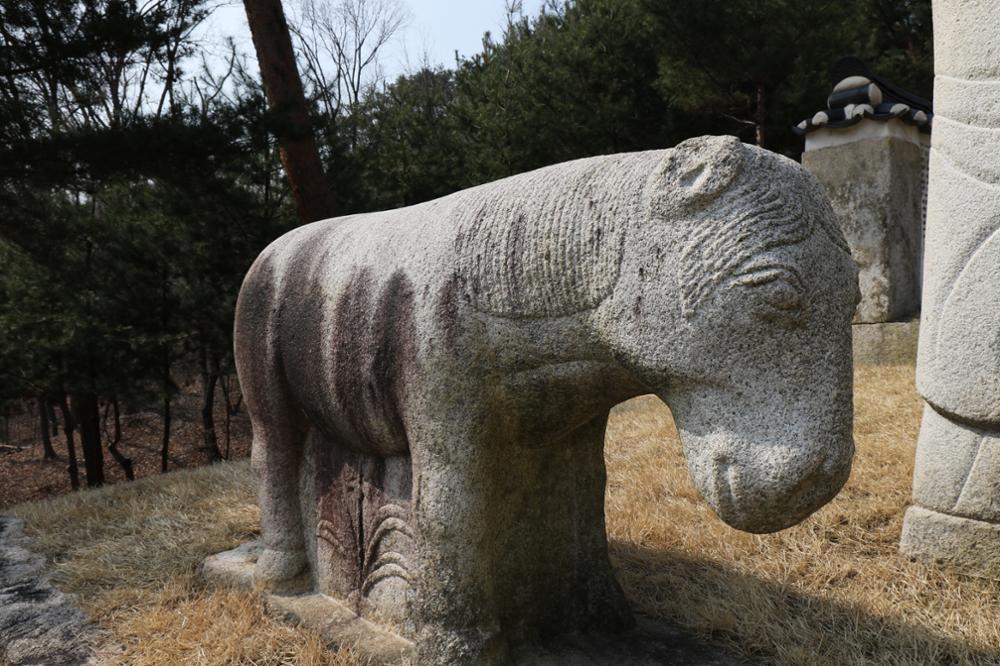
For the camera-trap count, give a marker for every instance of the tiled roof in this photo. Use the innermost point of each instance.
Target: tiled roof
(858, 94)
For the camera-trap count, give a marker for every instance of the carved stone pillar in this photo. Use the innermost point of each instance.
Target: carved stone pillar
(956, 512)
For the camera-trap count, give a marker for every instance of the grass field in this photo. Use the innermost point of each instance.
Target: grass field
(131, 551)
(833, 590)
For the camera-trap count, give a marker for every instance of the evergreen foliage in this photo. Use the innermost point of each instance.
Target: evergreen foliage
(134, 193)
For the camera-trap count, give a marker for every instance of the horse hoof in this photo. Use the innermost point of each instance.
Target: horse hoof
(278, 566)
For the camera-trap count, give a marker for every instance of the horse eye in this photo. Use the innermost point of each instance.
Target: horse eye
(779, 290)
(782, 295)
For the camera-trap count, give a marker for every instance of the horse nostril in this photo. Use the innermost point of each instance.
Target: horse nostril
(721, 460)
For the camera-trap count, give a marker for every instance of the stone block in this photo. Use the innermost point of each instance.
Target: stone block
(335, 622)
(964, 544)
(876, 188)
(889, 343)
(957, 469)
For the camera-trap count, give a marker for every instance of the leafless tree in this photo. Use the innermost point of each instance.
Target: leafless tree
(205, 90)
(127, 78)
(340, 42)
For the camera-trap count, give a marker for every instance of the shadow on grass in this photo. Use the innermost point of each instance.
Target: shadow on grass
(769, 623)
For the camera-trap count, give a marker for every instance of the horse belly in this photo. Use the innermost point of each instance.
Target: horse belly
(351, 357)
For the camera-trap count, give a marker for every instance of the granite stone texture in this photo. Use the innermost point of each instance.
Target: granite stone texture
(429, 386)
(957, 468)
(955, 518)
(958, 367)
(971, 546)
(959, 358)
(876, 187)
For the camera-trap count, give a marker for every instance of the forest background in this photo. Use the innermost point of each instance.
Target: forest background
(138, 181)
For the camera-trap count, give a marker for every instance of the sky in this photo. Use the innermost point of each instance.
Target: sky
(436, 28)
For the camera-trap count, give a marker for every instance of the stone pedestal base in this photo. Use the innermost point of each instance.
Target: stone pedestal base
(875, 186)
(297, 604)
(970, 545)
(888, 343)
(650, 643)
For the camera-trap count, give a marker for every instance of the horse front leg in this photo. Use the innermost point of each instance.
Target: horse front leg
(455, 610)
(600, 602)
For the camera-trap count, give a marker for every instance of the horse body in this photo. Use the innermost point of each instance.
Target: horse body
(429, 386)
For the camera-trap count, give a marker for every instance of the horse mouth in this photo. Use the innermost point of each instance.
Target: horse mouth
(760, 505)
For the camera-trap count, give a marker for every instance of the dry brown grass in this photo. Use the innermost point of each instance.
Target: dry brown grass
(130, 552)
(833, 590)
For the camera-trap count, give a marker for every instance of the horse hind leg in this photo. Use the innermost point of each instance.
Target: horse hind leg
(279, 428)
(276, 457)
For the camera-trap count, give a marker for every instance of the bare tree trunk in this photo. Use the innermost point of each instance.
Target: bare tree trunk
(124, 462)
(760, 117)
(68, 427)
(88, 415)
(52, 417)
(229, 420)
(299, 154)
(165, 443)
(118, 421)
(209, 377)
(43, 419)
(231, 409)
(224, 384)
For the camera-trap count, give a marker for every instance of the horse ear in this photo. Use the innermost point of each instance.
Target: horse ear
(698, 170)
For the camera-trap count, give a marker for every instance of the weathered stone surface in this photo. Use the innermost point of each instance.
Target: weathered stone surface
(973, 546)
(38, 623)
(336, 622)
(429, 386)
(876, 188)
(651, 643)
(959, 359)
(959, 362)
(827, 138)
(888, 343)
(957, 469)
(957, 475)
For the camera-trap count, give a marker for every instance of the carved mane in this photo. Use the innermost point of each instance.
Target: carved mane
(733, 202)
(549, 242)
(774, 203)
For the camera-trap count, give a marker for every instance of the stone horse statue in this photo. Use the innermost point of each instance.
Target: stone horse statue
(429, 386)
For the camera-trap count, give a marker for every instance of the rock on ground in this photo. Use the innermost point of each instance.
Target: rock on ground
(38, 623)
